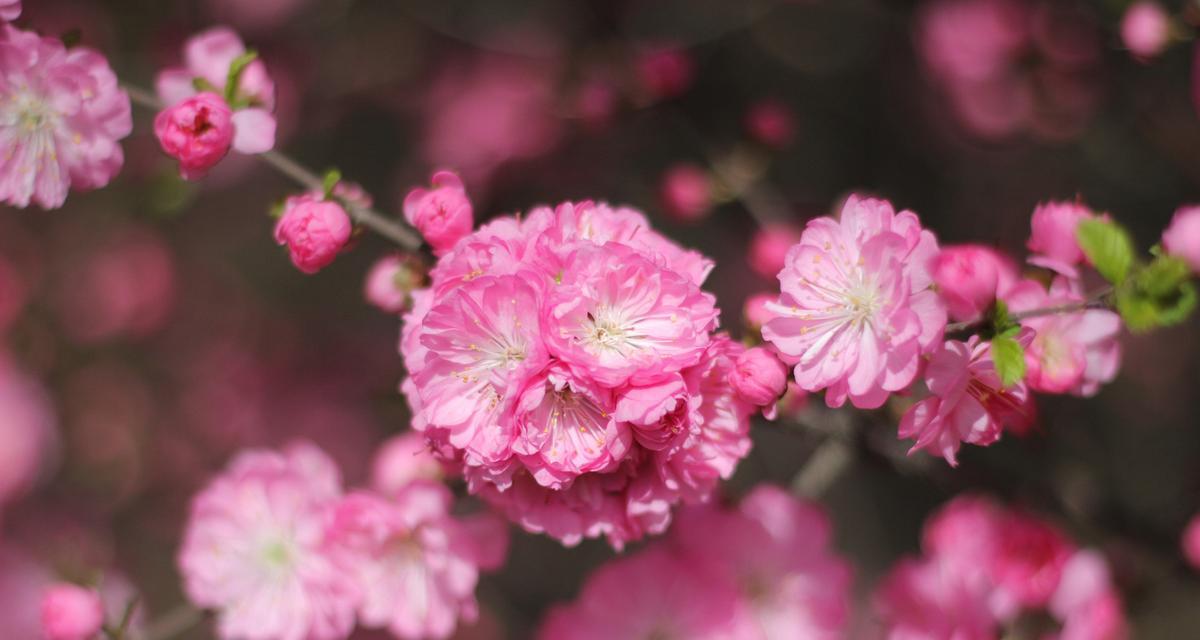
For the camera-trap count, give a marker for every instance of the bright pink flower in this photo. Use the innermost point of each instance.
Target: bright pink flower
(928, 599)
(664, 71)
(71, 612)
(653, 594)
(27, 432)
(197, 131)
(208, 56)
(771, 122)
(660, 414)
(968, 402)
(968, 278)
(686, 192)
(757, 312)
(857, 309)
(1145, 28)
(1073, 353)
(1026, 561)
(391, 281)
(769, 248)
(1053, 236)
(774, 550)
(10, 10)
(759, 377)
(254, 549)
(1182, 237)
(62, 114)
(443, 214)
(417, 567)
(314, 230)
(402, 460)
(1191, 542)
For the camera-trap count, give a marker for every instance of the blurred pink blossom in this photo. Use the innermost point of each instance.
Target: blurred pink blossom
(28, 432)
(770, 246)
(197, 131)
(755, 313)
(1182, 237)
(771, 122)
(928, 599)
(392, 279)
(1190, 542)
(10, 9)
(71, 612)
(1145, 28)
(62, 114)
(442, 214)
(402, 460)
(664, 70)
(686, 192)
(314, 230)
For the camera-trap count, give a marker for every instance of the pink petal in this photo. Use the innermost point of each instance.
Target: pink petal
(254, 131)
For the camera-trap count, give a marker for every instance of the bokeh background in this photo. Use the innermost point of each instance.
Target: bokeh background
(168, 331)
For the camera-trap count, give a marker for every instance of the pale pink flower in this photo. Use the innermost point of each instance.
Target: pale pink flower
(1182, 237)
(208, 56)
(857, 309)
(1086, 602)
(771, 122)
(1145, 28)
(769, 248)
(28, 432)
(197, 131)
(618, 317)
(254, 549)
(402, 460)
(314, 230)
(10, 10)
(928, 599)
(71, 612)
(969, 278)
(1073, 353)
(653, 594)
(417, 566)
(968, 402)
(759, 377)
(1191, 542)
(774, 550)
(973, 39)
(391, 281)
(664, 70)
(686, 192)
(62, 114)
(443, 214)
(1053, 239)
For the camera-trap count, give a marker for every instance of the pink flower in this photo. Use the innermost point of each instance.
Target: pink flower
(416, 565)
(254, 548)
(771, 122)
(774, 551)
(1145, 29)
(10, 10)
(1182, 237)
(71, 612)
(1191, 542)
(391, 281)
(664, 71)
(968, 403)
(1073, 353)
(1053, 238)
(756, 312)
(443, 215)
(27, 432)
(61, 116)
(402, 460)
(759, 377)
(1026, 563)
(927, 599)
(857, 310)
(968, 278)
(208, 56)
(686, 192)
(197, 131)
(653, 594)
(314, 230)
(770, 246)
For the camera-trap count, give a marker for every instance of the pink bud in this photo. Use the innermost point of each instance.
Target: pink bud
(197, 131)
(968, 277)
(755, 312)
(1053, 235)
(443, 214)
(1182, 237)
(771, 122)
(686, 192)
(770, 246)
(1145, 29)
(664, 71)
(314, 231)
(759, 377)
(70, 612)
(391, 281)
(1191, 542)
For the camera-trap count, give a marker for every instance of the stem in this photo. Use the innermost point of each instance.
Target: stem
(1098, 300)
(378, 222)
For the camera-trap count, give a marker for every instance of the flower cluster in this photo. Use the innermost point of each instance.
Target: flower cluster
(568, 360)
(762, 570)
(275, 546)
(62, 114)
(986, 567)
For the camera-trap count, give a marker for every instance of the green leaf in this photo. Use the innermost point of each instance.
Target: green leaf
(1108, 246)
(1009, 357)
(236, 68)
(1162, 277)
(331, 180)
(202, 85)
(1143, 312)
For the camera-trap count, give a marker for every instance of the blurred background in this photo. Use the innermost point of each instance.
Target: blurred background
(153, 328)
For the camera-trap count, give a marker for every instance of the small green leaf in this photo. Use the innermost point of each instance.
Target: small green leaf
(203, 85)
(1108, 246)
(1009, 357)
(234, 79)
(331, 180)
(1143, 312)
(1163, 276)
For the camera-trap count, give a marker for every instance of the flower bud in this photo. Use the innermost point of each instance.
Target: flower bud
(664, 71)
(1182, 237)
(391, 281)
(1053, 237)
(314, 231)
(70, 612)
(686, 192)
(771, 123)
(759, 377)
(198, 131)
(1145, 29)
(769, 248)
(443, 214)
(967, 277)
